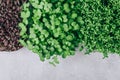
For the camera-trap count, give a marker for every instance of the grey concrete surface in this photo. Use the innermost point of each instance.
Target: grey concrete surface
(25, 65)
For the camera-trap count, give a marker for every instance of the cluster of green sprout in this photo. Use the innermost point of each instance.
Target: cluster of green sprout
(57, 27)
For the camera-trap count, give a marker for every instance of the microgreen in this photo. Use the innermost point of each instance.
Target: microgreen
(57, 27)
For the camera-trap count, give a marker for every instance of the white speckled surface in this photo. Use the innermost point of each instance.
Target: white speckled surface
(24, 65)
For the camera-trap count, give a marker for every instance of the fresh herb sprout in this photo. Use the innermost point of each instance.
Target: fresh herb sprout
(56, 27)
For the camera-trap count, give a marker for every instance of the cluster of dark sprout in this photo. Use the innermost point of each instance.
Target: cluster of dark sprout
(9, 19)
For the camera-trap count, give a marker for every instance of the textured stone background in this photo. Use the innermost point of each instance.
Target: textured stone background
(24, 65)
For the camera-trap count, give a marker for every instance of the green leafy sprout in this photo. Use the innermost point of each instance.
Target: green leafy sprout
(54, 28)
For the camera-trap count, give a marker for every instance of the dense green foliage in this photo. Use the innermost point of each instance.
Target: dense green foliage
(56, 27)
